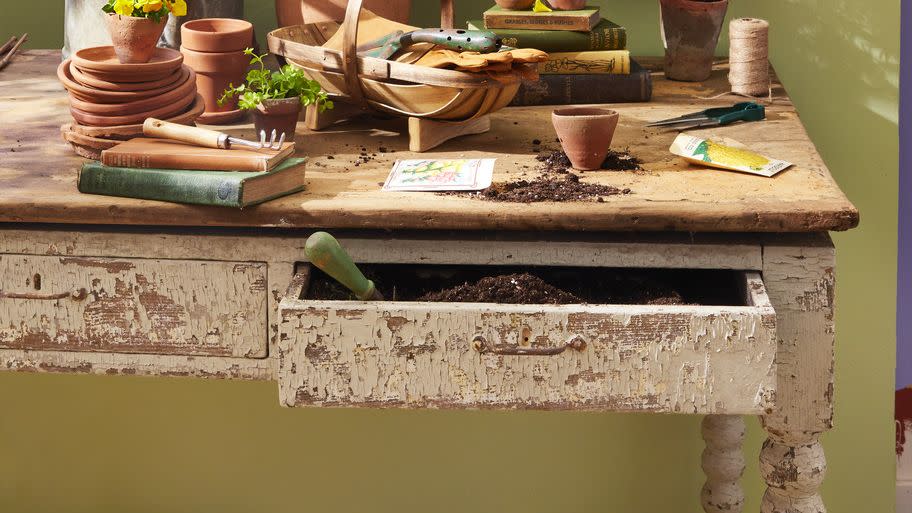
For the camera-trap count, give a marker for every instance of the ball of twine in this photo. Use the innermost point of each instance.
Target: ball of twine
(749, 57)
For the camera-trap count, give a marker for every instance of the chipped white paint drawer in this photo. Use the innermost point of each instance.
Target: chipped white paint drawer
(687, 359)
(167, 307)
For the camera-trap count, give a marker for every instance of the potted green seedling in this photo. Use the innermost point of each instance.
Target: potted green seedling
(276, 97)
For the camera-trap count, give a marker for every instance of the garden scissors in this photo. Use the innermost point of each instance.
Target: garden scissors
(745, 111)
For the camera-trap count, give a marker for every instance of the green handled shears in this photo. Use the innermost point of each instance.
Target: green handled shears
(745, 111)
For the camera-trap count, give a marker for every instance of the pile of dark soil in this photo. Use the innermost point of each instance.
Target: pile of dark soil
(546, 188)
(514, 289)
(557, 162)
(553, 285)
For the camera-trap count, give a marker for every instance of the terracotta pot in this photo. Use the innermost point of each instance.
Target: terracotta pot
(298, 12)
(516, 5)
(690, 30)
(214, 72)
(279, 115)
(567, 5)
(134, 38)
(216, 35)
(586, 134)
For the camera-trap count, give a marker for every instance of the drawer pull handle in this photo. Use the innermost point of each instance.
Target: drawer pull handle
(481, 345)
(76, 294)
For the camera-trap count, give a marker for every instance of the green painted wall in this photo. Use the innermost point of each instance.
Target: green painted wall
(94, 444)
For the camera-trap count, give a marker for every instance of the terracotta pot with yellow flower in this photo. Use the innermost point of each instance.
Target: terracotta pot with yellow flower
(136, 25)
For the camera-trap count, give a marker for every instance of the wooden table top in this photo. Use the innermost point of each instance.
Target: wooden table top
(38, 173)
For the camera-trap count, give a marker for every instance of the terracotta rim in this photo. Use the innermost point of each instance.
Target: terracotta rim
(122, 132)
(103, 58)
(216, 34)
(186, 89)
(87, 118)
(71, 136)
(221, 118)
(584, 112)
(91, 82)
(227, 63)
(98, 96)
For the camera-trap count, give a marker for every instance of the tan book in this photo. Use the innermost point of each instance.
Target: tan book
(149, 153)
(582, 20)
(615, 62)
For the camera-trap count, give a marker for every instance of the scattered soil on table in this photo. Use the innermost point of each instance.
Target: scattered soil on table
(557, 162)
(537, 285)
(545, 188)
(514, 289)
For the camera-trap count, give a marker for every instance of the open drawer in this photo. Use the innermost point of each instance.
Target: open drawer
(613, 357)
(135, 306)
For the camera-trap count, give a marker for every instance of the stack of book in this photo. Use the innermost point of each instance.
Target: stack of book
(166, 170)
(588, 57)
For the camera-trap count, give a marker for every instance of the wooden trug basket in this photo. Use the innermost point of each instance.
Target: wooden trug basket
(440, 103)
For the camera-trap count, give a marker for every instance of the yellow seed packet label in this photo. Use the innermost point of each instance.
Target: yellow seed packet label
(709, 153)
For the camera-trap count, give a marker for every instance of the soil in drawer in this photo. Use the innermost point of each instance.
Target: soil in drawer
(712, 352)
(552, 285)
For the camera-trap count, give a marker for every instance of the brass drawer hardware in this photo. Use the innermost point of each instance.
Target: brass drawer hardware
(76, 294)
(480, 343)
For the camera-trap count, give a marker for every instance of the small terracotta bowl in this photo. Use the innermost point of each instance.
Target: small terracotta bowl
(585, 134)
(216, 35)
(103, 59)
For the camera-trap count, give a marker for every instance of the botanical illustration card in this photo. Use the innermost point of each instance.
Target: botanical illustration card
(440, 175)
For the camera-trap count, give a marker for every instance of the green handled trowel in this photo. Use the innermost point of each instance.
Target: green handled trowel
(325, 252)
(385, 47)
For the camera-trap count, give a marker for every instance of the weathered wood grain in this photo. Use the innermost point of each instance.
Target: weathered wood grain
(799, 273)
(175, 307)
(669, 196)
(685, 359)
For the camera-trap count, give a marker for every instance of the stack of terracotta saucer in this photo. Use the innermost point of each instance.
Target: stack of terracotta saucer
(109, 101)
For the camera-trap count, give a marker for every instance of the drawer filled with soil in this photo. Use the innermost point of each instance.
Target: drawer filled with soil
(530, 337)
(544, 285)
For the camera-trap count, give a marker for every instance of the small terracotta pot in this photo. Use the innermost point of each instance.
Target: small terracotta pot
(567, 5)
(690, 30)
(214, 72)
(216, 35)
(279, 115)
(516, 5)
(134, 38)
(586, 134)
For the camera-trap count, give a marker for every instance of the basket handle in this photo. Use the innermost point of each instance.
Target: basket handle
(350, 44)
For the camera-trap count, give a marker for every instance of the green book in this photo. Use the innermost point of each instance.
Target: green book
(499, 18)
(219, 188)
(604, 36)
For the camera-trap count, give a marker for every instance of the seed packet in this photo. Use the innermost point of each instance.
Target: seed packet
(440, 175)
(713, 154)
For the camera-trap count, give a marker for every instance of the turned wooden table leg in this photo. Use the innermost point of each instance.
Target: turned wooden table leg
(723, 464)
(800, 279)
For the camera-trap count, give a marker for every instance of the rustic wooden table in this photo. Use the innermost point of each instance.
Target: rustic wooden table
(94, 284)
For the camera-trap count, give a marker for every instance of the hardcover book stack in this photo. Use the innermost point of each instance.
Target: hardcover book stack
(165, 170)
(588, 57)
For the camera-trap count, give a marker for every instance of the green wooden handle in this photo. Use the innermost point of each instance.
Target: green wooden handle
(325, 252)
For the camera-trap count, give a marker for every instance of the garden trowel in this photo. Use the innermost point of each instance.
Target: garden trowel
(385, 47)
(325, 252)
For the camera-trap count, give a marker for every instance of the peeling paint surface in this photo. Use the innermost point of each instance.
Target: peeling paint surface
(637, 358)
(135, 306)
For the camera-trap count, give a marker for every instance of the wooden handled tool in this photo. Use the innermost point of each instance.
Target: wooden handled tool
(325, 252)
(206, 138)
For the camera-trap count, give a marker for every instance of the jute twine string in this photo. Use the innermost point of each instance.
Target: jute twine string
(749, 57)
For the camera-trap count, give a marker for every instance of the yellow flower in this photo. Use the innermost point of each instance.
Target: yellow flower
(123, 7)
(177, 7)
(149, 5)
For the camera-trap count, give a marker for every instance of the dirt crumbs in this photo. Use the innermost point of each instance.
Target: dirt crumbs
(557, 162)
(516, 289)
(545, 188)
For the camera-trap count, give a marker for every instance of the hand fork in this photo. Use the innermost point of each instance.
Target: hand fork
(207, 138)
